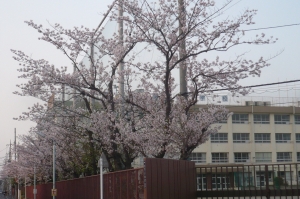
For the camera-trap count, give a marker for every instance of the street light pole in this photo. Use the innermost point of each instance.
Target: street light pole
(101, 178)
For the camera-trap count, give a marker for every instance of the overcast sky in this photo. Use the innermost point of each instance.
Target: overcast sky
(15, 34)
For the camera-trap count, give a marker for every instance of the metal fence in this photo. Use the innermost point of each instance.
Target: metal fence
(173, 179)
(169, 179)
(127, 184)
(244, 181)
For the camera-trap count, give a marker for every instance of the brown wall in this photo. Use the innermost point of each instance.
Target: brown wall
(118, 185)
(169, 179)
(160, 179)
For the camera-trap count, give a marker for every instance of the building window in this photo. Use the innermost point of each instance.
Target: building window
(225, 98)
(282, 119)
(239, 118)
(198, 157)
(286, 175)
(202, 97)
(220, 181)
(219, 157)
(297, 119)
(201, 182)
(222, 122)
(261, 119)
(241, 157)
(283, 137)
(298, 156)
(262, 137)
(240, 137)
(298, 137)
(284, 157)
(219, 138)
(263, 157)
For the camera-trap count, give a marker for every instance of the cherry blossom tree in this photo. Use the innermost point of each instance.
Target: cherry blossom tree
(151, 118)
(72, 158)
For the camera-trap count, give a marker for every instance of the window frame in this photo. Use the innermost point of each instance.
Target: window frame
(219, 159)
(261, 119)
(220, 138)
(297, 137)
(224, 98)
(198, 157)
(241, 118)
(297, 121)
(262, 140)
(266, 157)
(242, 158)
(284, 158)
(280, 137)
(279, 119)
(222, 122)
(202, 98)
(242, 139)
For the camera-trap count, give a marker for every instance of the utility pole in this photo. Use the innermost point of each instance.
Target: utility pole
(9, 153)
(121, 40)
(15, 150)
(15, 144)
(182, 48)
(74, 90)
(53, 172)
(9, 160)
(63, 95)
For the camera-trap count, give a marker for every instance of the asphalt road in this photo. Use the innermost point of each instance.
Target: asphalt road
(5, 197)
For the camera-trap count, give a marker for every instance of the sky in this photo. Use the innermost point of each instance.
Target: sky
(15, 34)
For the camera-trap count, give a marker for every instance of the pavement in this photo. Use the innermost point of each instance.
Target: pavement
(5, 197)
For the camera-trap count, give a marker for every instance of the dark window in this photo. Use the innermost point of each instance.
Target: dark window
(198, 157)
(219, 138)
(282, 119)
(240, 118)
(219, 157)
(298, 137)
(241, 157)
(261, 119)
(284, 157)
(240, 137)
(297, 119)
(262, 137)
(283, 137)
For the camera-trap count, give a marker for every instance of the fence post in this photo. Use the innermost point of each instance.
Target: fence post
(145, 180)
(267, 182)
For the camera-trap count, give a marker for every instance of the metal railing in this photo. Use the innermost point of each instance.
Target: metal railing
(244, 181)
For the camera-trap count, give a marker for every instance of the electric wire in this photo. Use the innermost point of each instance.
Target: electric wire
(271, 27)
(253, 86)
(3, 149)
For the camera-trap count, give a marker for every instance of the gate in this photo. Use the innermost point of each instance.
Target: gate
(244, 181)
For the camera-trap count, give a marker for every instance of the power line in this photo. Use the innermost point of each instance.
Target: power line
(253, 86)
(272, 27)
(3, 149)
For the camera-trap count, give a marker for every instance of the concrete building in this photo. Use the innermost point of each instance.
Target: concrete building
(254, 134)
